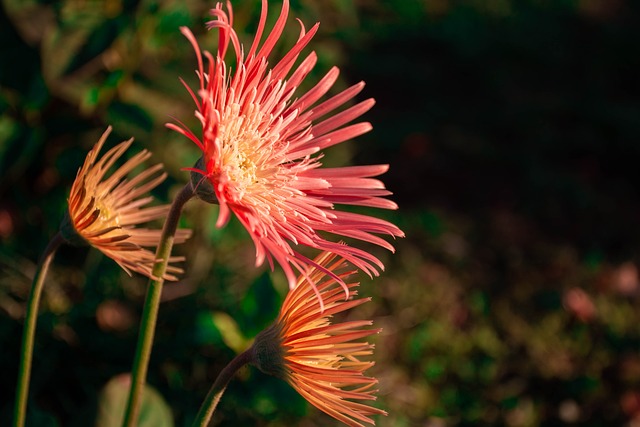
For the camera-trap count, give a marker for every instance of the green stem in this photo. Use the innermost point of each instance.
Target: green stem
(151, 306)
(219, 386)
(28, 335)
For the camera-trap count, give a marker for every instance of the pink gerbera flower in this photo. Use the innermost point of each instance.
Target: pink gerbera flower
(325, 361)
(260, 143)
(106, 209)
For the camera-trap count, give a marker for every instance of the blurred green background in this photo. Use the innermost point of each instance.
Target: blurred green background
(513, 133)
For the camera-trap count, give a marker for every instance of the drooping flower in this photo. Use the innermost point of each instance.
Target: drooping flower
(260, 150)
(105, 210)
(321, 359)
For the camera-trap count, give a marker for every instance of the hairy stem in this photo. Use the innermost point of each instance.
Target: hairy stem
(151, 306)
(28, 335)
(219, 386)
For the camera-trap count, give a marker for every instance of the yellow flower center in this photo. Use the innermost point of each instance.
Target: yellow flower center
(108, 217)
(242, 152)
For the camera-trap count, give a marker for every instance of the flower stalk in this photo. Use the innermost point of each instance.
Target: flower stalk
(151, 306)
(219, 386)
(28, 335)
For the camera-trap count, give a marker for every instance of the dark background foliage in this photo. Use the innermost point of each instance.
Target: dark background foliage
(512, 128)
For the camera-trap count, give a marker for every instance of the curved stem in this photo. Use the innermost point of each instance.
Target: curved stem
(151, 306)
(28, 334)
(219, 386)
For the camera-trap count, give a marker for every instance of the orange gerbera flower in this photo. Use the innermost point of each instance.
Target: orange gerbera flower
(321, 360)
(104, 212)
(259, 150)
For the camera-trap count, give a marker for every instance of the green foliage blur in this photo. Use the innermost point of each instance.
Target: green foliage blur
(512, 128)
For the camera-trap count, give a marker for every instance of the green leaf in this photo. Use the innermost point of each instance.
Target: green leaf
(216, 327)
(154, 411)
(260, 305)
(230, 332)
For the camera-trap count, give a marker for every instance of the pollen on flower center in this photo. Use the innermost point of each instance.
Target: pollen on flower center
(107, 217)
(244, 169)
(242, 153)
(240, 169)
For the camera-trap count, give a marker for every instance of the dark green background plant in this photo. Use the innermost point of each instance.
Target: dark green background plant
(513, 133)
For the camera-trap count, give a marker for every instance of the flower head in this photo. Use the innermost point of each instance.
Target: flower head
(104, 211)
(260, 143)
(321, 360)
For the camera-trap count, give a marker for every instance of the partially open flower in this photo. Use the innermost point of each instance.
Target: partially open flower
(260, 143)
(322, 360)
(104, 211)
